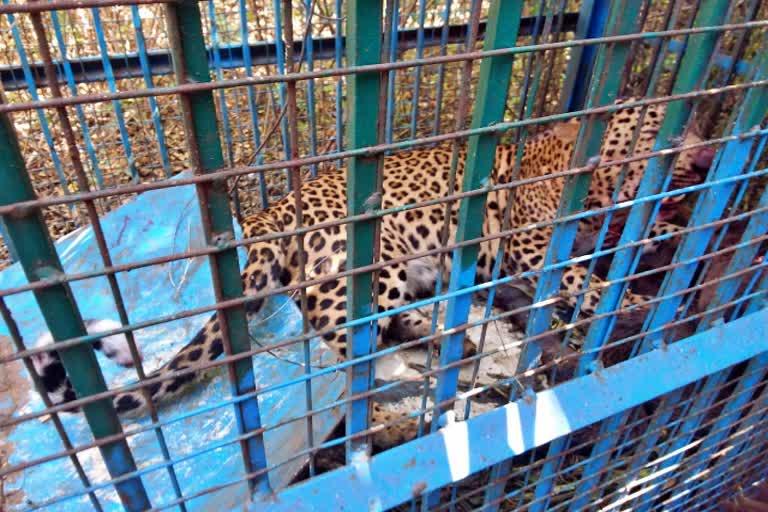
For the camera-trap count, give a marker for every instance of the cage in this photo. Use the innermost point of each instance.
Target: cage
(383, 255)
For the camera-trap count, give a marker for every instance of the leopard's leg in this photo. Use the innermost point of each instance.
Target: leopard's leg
(264, 270)
(527, 251)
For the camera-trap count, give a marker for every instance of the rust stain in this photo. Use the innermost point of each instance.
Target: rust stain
(411, 463)
(418, 488)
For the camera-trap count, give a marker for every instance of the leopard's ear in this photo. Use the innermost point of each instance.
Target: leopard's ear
(568, 131)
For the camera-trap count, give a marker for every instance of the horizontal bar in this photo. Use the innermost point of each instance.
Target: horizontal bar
(263, 53)
(66, 278)
(498, 128)
(223, 403)
(402, 64)
(57, 5)
(464, 448)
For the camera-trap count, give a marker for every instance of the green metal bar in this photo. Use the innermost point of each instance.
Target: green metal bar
(493, 84)
(39, 261)
(189, 57)
(622, 19)
(693, 69)
(363, 47)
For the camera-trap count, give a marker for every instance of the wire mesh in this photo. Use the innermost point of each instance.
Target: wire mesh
(104, 101)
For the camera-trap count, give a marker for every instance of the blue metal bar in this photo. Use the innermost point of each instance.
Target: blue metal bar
(493, 84)
(459, 450)
(693, 69)
(110, 78)
(742, 258)
(440, 85)
(338, 52)
(364, 26)
(593, 15)
(309, 56)
(392, 73)
(31, 87)
(623, 20)
(280, 61)
(223, 109)
(147, 74)
(184, 20)
(712, 202)
(252, 104)
(67, 67)
(417, 71)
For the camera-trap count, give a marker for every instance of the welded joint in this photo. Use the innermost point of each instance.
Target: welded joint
(47, 272)
(222, 240)
(373, 202)
(20, 211)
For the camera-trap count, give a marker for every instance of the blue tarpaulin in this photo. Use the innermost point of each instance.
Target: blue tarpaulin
(158, 223)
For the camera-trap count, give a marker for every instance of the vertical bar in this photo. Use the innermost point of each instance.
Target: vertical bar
(692, 72)
(338, 54)
(105, 62)
(441, 68)
(392, 73)
(712, 201)
(603, 89)
(280, 47)
(86, 132)
(216, 53)
(190, 64)
(309, 57)
(252, 104)
(493, 84)
(18, 343)
(57, 304)
(593, 15)
(293, 136)
(146, 71)
(32, 88)
(417, 71)
(364, 26)
(743, 257)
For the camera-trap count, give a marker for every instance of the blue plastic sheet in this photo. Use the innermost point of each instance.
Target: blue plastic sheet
(158, 223)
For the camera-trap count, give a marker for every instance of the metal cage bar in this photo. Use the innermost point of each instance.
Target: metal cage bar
(363, 48)
(185, 26)
(39, 261)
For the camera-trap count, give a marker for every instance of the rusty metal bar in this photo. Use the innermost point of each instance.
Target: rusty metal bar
(98, 232)
(20, 206)
(201, 124)
(402, 64)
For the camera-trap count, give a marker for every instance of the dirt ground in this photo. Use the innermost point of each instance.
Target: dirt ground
(13, 390)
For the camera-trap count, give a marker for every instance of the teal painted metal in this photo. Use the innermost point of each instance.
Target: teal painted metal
(713, 201)
(461, 449)
(503, 23)
(364, 27)
(692, 71)
(39, 260)
(603, 88)
(190, 64)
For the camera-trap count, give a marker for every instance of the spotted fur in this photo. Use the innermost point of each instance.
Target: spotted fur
(415, 176)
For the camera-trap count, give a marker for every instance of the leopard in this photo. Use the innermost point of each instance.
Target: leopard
(530, 193)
